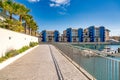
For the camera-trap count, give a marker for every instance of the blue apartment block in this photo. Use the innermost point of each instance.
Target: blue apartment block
(56, 36)
(80, 35)
(69, 34)
(102, 33)
(44, 36)
(50, 36)
(91, 32)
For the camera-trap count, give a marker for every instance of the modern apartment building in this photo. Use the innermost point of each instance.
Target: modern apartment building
(50, 36)
(96, 34)
(73, 35)
(117, 38)
(90, 34)
(107, 34)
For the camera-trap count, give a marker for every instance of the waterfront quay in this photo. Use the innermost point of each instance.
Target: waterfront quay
(100, 66)
(43, 63)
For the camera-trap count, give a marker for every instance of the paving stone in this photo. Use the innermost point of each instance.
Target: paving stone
(38, 65)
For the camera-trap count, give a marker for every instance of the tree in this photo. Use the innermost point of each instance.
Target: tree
(34, 28)
(21, 10)
(10, 8)
(17, 9)
(31, 24)
(1, 3)
(27, 18)
(13, 25)
(4, 5)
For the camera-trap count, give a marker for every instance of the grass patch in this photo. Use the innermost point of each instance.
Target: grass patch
(13, 53)
(23, 49)
(32, 44)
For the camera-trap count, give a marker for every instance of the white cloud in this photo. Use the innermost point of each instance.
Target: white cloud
(33, 0)
(58, 3)
(52, 5)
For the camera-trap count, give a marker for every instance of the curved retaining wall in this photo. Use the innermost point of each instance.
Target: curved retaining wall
(10, 40)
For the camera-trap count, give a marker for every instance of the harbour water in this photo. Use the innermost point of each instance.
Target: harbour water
(99, 47)
(102, 68)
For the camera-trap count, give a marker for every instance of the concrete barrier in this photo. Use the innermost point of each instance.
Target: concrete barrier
(10, 40)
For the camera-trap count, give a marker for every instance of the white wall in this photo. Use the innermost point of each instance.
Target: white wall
(13, 40)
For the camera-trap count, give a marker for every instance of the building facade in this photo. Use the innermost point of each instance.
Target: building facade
(73, 35)
(80, 35)
(96, 34)
(90, 34)
(107, 35)
(3, 15)
(49, 36)
(117, 38)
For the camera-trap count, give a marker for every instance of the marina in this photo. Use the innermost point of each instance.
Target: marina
(57, 40)
(100, 67)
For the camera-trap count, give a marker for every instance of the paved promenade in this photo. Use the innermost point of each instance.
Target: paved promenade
(43, 63)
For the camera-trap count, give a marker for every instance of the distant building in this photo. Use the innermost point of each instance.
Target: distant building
(96, 34)
(107, 34)
(86, 37)
(3, 15)
(73, 35)
(90, 34)
(50, 36)
(117, 38)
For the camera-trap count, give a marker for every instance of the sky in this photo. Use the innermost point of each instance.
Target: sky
(62, 14)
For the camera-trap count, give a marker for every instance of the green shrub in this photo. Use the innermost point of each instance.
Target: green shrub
(32, 44)
(16, 52)
(23, 49)
(11, 53)
(2, 59)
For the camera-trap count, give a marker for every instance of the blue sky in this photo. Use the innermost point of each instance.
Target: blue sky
(61, 14)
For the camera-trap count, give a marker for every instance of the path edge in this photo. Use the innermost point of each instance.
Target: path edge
(84, 72)
(12, 59)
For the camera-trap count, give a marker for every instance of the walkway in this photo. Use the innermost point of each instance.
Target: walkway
(43, 63)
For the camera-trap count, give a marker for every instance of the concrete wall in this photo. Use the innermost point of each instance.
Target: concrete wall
(10, 40)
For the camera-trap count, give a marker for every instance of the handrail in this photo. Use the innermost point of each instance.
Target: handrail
(102, 54)
(99, 66)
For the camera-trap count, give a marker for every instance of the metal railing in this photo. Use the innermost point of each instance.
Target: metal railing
(100, 67)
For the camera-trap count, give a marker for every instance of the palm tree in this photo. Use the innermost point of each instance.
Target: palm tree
(27, 18)
(10, 8)
(1, 3)
(31, 24)
(7, 5)
(34, 28)
(4, 5)
(14, 25)
(21, 10)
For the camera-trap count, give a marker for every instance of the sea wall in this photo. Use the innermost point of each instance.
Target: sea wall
(10, 40)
